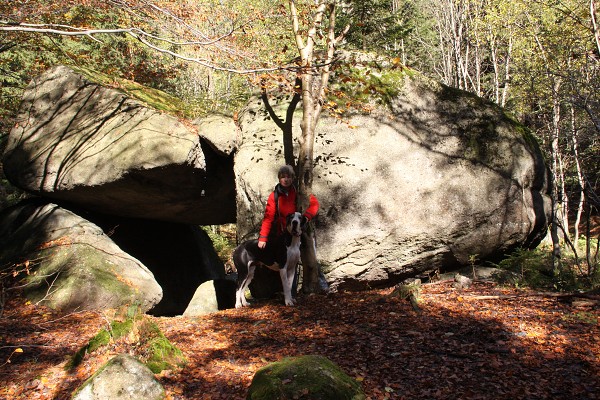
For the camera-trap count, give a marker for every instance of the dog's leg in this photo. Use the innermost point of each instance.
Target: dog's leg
(291, 275)
(287, 293)
(240, 294)
(286, 282)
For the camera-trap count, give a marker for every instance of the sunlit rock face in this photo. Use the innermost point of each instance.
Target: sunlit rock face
(429, 178)
(433, 179)
(97, 146)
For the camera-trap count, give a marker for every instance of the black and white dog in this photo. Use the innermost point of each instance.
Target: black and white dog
(281, 254)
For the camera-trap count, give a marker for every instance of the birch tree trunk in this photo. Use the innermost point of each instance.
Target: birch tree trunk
(507, 63)
(314, 78)
(556, 178)
(580, 179)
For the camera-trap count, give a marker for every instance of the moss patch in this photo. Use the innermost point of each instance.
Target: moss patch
(160, 353)
(357, 87)
(154, 98)
(102, 338)
(62, 268)
(306, 377)
(153, 347)
(118, 329)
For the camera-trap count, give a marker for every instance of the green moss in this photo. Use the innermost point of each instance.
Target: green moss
(360, 86)
(452, 94)
(102, 338)
(61, 267)
(533, 142)
(162, 354)
(390, 82)
(154, 98)
(406, 291)
(583, 317)
(120, 329)
(306, 377)
(158, 351)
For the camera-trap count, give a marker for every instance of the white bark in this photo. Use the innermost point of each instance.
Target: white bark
(315, 78)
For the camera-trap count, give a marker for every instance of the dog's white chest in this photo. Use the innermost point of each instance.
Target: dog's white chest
(293, 255)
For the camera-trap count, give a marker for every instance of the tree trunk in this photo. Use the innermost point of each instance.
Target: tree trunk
(580, 179)
(310, 265)
(507, 72)
(595, 24)
(286, 125)
(556, 197)
(314, 77)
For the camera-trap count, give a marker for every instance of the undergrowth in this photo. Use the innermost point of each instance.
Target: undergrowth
(142, 334)
(537, 269)
(223, 238)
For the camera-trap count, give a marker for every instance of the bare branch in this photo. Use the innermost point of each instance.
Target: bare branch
(136, 33)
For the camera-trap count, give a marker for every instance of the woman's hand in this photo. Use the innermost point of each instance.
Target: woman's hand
(262, 245)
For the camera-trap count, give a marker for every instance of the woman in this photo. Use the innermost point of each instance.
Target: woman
(281, 202)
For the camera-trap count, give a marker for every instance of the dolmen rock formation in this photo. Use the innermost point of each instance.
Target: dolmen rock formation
(430, 177)
(116, 156)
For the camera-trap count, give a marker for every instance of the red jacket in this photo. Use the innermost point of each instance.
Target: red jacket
(287, 205)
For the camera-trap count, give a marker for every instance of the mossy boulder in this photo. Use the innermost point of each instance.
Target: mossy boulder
(117, 330)
(306, 377)
(155, 350)
(68, 263)
(161, 354)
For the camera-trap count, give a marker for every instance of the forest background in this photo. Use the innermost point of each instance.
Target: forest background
(540, 59)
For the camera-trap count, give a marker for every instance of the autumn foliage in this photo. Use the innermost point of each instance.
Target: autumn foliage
(485, 342)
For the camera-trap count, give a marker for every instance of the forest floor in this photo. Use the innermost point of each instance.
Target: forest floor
(485, 342)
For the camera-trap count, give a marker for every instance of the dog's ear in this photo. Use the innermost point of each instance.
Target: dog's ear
(304, 221)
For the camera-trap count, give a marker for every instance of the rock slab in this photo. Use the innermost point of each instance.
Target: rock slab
(93, 145)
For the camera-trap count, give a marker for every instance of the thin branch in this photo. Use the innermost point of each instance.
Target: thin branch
(138, 34)
(27, 346)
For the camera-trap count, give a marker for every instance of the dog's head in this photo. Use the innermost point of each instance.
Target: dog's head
(295, 223)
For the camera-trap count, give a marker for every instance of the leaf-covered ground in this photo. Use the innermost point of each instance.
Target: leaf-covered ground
(485, 342)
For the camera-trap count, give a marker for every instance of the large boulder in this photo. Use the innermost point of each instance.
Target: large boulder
(68, 263)
(219, 131)
(110, 147)
(123, 377)
(433, 178)
(180, 256)
(430, 178)
(78, 246)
